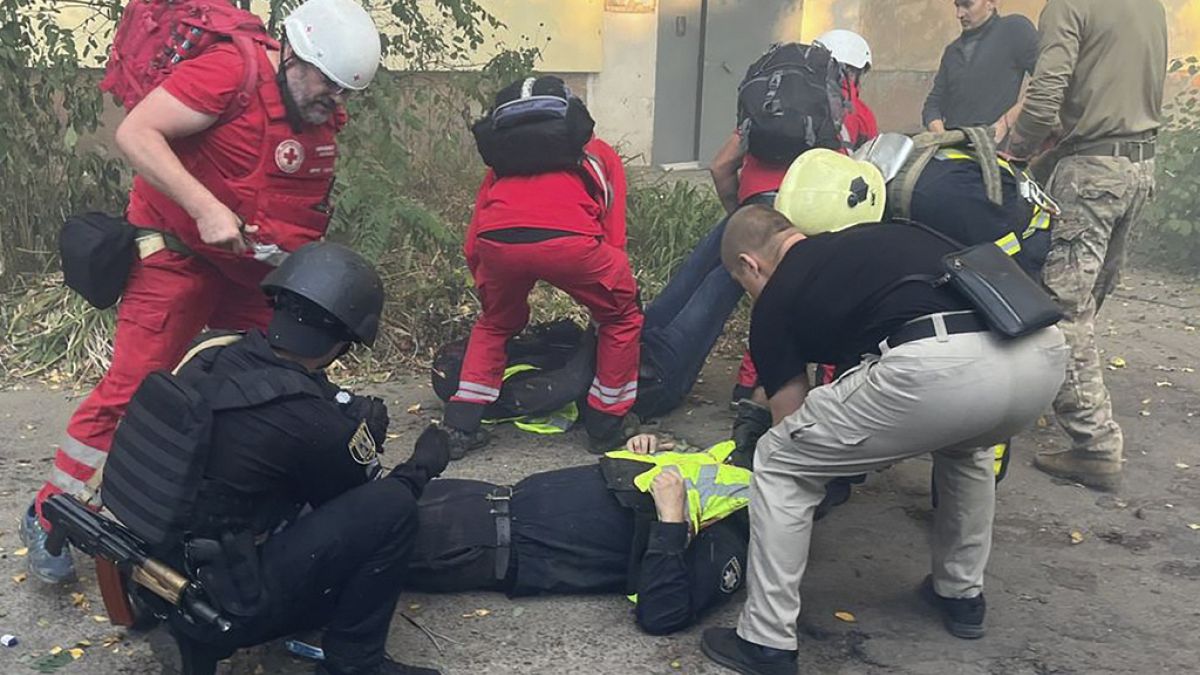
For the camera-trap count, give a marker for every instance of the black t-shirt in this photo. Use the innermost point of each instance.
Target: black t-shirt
(289, 452)
(829, 301)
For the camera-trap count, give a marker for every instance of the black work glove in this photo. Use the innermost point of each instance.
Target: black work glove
(750, 423)
(373, 411)
(429, 459)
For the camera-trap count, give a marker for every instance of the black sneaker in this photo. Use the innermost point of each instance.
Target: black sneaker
(608, 432)
(727, 648)
(462, 442)
(963, 617)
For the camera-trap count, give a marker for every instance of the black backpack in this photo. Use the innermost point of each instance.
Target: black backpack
(534, 134)
(551, 365)
(791, 101)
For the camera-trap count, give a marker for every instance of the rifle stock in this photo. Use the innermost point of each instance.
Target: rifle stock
(113, 543)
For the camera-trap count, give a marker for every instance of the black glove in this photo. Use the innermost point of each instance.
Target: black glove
(750, 423)
(373, 411)
(429, 459)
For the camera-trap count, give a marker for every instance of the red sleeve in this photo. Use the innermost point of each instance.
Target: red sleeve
(208, 82)
(613, 222)
(489, 179)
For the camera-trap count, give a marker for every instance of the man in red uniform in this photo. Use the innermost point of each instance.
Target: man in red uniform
(740, 178)
(211, 188)
(566, 228)
(852, 51)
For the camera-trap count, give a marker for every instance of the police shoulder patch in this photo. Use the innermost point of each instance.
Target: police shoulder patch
(362, 445)
(731, 576)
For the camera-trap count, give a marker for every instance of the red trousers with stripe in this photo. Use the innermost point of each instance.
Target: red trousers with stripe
(168, 300)
(593, 273)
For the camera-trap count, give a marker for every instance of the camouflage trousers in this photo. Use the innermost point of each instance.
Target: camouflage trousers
(1102, 200)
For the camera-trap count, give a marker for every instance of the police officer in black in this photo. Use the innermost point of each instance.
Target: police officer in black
(341, 566)
(569, 531)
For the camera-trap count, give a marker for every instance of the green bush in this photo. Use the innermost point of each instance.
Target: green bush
(406, 182)
(1172, 230)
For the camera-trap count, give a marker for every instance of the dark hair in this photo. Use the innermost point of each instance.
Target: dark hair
(546, 85)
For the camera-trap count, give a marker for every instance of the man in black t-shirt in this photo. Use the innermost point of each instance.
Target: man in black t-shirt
(931, 378)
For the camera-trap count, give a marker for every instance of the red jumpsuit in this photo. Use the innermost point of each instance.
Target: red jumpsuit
(859, 125)
(268, 174)
(584, 256)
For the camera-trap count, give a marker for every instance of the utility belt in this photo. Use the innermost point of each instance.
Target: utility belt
(1136, 148)
(150, 241)
(501, 499)
(942, 323)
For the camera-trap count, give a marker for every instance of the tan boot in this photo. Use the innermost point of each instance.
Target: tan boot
(1103, 474)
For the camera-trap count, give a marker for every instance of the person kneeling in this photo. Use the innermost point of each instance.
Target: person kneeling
(281, 437)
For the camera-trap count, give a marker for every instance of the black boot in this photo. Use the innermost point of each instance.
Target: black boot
(608, 432)
(963, 617)
(388, 667)
(727, 648)
(462, 442)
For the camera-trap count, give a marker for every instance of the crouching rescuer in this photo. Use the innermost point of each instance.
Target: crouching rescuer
(212, 464)
(551, 208)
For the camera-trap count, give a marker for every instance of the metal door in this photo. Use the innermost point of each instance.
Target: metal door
(736, 33)
(677, 81)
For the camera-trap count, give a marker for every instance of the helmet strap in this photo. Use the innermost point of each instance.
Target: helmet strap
(291, 110)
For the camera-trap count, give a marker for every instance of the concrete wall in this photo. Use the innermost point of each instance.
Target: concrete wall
(621, 95)
(907, 38)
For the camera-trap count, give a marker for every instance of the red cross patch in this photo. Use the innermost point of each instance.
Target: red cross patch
(289, 156)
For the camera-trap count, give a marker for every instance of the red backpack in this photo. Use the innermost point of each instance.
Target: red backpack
(155, 35)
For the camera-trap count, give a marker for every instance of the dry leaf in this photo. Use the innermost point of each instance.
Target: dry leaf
(55, 650)
(1164, 383)
(1117, 362)
(1144, 413)
(1194, 526)
(79, 600)
(676, 665)
(21, 552)
(99, 619)
(413, 409)
(846, 616)
(1146, 401)
(482, 612)
(1076, 537)
(415, 606)
(76, 653)
(83, 643)
(1181, 465)
(20, 577)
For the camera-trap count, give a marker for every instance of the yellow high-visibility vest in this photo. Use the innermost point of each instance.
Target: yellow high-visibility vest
(714, 489)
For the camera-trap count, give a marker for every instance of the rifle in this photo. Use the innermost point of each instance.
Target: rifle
(108, 540)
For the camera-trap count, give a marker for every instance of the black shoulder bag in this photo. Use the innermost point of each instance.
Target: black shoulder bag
(1012, 303)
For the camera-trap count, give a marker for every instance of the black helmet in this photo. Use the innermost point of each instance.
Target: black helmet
(324, 293)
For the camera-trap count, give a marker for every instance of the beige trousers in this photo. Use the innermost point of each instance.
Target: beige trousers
(952, 395)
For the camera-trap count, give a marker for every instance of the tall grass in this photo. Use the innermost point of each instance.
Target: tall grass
(52, 335)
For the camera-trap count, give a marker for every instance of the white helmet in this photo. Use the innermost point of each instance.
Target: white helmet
(848, 47)
(338, 37)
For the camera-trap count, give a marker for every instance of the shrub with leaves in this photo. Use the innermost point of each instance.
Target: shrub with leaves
(1173, 224)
